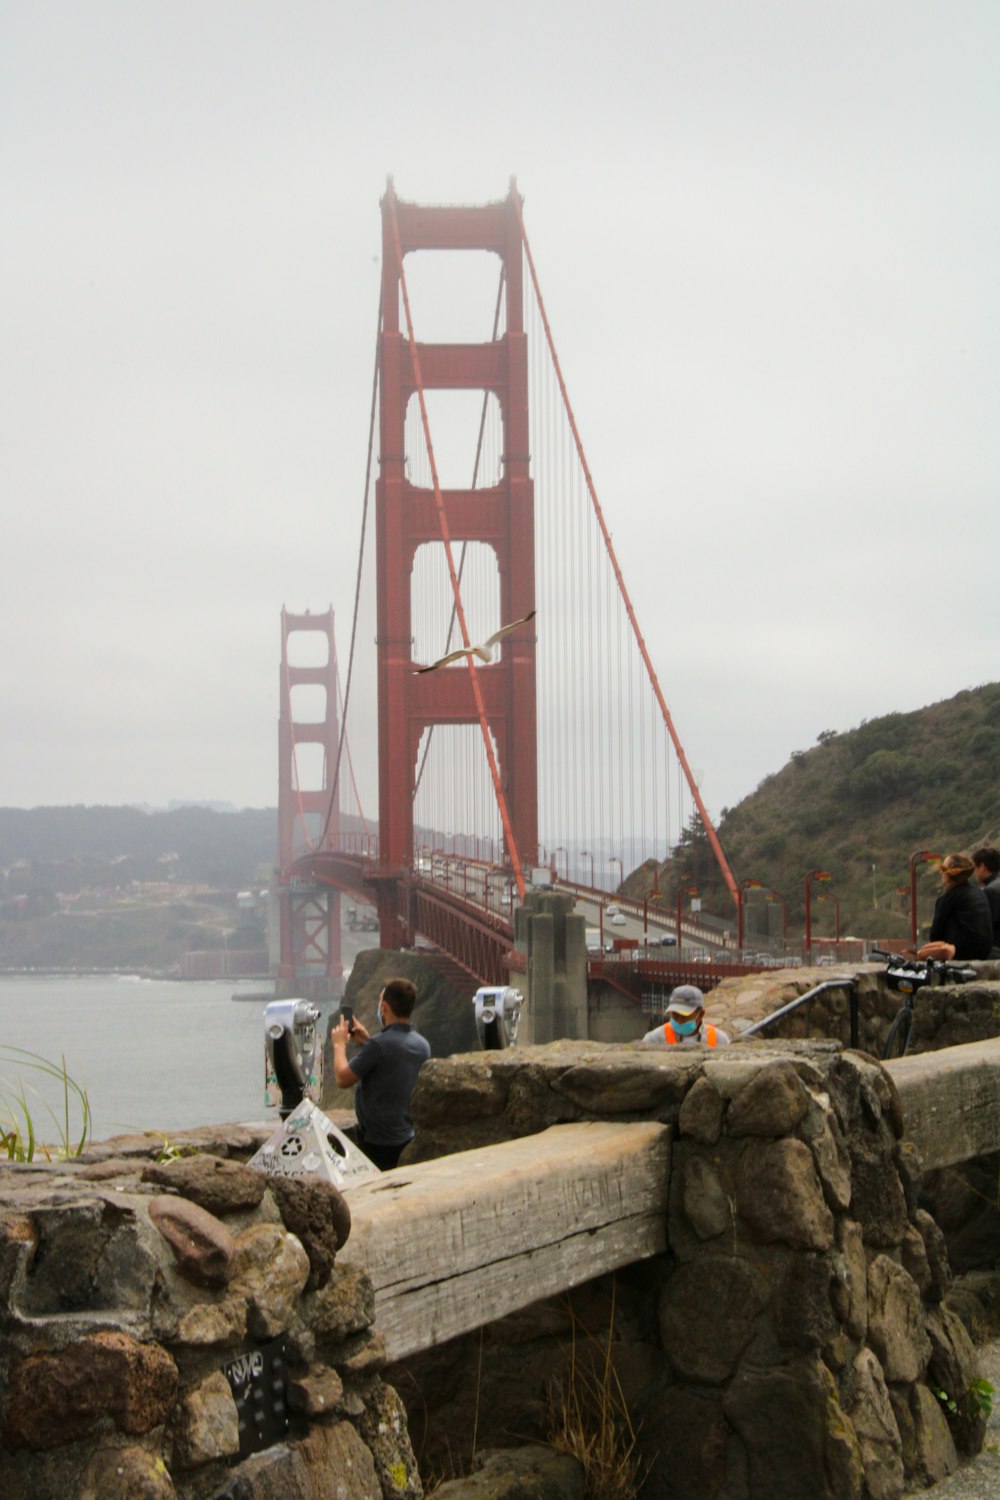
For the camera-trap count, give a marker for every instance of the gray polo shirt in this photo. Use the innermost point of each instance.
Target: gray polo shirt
(387, 1066)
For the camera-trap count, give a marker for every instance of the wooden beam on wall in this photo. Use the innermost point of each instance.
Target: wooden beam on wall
(951, 1101)
(458, 1242)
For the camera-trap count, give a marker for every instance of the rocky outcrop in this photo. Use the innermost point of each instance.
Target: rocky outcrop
(529, 1473)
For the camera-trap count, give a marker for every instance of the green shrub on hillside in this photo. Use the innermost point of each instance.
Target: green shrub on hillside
(869, 796)
(885, 774)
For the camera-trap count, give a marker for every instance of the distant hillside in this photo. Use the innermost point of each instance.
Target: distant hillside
(70, 848)
(868, 796)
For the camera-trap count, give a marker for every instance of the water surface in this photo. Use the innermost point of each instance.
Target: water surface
(152, 1054)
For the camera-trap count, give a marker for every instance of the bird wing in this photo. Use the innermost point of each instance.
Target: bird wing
(484, 652)
(445, 660)
(506, 629)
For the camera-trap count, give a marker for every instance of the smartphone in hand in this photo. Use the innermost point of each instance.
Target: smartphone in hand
(347, 1014)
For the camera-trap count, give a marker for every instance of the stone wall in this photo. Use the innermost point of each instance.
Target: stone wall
(185, 1328)
(182, 1329)
(792, 1340)
(945, 1015)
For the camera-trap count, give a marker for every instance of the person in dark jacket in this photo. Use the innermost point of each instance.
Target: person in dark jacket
(963, 923)
(987, 863)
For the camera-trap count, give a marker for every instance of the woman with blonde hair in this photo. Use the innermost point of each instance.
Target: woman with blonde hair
(963, 924)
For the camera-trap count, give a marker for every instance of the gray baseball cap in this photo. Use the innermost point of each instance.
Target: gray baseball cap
(686, 999)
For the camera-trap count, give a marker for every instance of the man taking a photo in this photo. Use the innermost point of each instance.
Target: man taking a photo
(384, 1072)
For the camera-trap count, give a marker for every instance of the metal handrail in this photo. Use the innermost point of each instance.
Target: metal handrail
(827, 984)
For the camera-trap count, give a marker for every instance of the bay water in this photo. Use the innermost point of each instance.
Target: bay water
(152, 1054)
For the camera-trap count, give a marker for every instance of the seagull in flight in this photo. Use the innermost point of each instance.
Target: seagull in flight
(484, 652)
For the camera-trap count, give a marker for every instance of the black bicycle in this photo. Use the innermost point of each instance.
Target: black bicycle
(907, 976)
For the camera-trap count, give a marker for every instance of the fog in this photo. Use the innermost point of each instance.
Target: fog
(767, 234)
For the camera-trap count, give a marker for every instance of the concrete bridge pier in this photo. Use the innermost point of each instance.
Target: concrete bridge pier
(554, 941)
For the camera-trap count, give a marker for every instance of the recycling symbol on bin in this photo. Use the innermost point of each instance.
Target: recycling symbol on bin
(292, 1146)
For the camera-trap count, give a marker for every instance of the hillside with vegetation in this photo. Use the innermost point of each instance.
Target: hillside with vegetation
(116, 887)
(66, 849)
(857, 804)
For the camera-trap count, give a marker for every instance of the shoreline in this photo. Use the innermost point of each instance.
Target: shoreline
(137, 971)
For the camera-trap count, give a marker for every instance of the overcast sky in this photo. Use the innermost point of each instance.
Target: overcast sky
(767, 233)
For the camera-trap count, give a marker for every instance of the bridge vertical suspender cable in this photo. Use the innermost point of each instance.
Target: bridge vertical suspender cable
(713, 837)
(508, 828)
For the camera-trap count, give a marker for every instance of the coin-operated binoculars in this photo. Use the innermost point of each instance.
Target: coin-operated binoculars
(306, 1143)
(498, 1011)
(293, 1054)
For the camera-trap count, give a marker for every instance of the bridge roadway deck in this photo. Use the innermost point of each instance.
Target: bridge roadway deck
(457, 1242)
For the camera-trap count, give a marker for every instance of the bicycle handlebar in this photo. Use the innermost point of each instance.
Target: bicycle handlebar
(910, 974)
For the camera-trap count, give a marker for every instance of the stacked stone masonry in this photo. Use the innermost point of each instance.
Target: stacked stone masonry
(945, 1015)
(794, 1341)
(129, 1288)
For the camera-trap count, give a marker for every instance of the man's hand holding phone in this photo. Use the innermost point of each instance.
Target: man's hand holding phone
(348, 1028)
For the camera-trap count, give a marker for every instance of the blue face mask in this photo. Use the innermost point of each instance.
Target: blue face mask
(683, 1028)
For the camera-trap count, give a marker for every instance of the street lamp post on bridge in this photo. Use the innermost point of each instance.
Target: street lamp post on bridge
(922, 856)
(614, 860)
(812, 875)
(586, 854)
(655, 897)
(555, 862)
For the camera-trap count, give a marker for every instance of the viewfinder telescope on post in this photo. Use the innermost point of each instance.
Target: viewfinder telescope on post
(292, 1056)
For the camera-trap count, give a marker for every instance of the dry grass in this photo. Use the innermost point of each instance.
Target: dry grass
(588, 1418)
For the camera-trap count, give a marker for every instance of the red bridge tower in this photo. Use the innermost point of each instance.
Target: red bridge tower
(502, 516)
(308, 820)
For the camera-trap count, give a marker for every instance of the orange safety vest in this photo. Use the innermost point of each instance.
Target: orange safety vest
(707, 1034)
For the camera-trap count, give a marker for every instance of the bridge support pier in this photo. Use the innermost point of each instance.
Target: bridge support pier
(554, 941)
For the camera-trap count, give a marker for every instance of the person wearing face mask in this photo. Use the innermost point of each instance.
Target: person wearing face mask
(384, 1073)
(685, 1024)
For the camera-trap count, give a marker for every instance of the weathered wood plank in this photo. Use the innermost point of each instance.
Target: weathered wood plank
(454, 1243)
(951, 1101)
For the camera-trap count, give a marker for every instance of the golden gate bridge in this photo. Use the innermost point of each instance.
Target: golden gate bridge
(561, 742)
